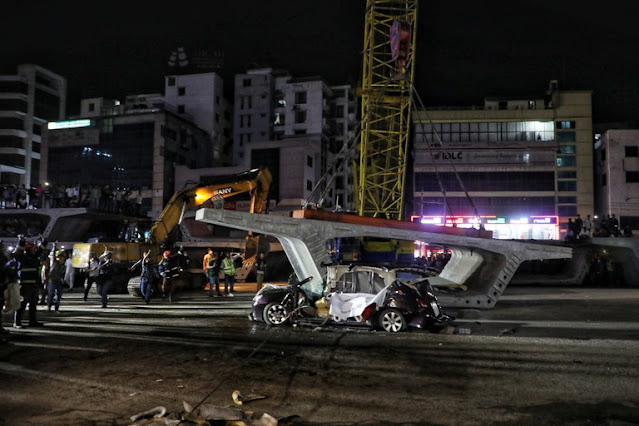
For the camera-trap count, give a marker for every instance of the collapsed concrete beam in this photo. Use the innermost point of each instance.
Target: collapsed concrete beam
(484, 265)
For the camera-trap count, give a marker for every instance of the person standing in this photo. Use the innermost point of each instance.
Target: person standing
(165, 269)
(587, 226)
(28, 260)
(579, 226)
(69, 272)
(105, 276)
(212, 270)
(229, 274)
(147, 275)
(92, 274)
(3, 286)
(260, 270)
(54, 280)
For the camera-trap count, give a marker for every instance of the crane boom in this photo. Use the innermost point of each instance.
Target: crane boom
(387, 83)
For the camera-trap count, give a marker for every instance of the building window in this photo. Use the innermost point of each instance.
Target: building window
(217, 117)
(567, 149)
(300, 97)
(180, 109)
(567, 210)
(566, 136)
(567, 200)
(246, 82)
(566, 175)
(171, 81)
(309, 185)
(279, 119)
(632, 177)
(309, 161)
(603, 154)
(91, 107)
(632, 151)
(217, 100)
(245, 120)
(604, 181)
(181, 91)
(567, 161)
(300, 117)
(300, 131)
(569, 185)
(565, 124)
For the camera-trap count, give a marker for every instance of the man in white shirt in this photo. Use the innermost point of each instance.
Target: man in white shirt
(69, 272)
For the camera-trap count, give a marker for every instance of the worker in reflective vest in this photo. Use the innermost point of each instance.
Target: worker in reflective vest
(229, 274)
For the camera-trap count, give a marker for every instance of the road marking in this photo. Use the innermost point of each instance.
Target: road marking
(72, 348)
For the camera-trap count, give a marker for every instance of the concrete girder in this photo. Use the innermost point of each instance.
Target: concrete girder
(485, 266)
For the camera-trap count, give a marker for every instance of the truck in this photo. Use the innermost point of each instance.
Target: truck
(162, 234)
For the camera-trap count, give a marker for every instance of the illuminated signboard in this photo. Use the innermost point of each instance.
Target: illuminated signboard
(544, 220)
(492, 220)
(496, 220)
(70, 124)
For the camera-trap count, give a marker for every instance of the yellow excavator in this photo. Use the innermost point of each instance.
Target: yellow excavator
(256, 182)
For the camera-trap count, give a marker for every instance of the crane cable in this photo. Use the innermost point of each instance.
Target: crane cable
(345, 153)
(459, 180)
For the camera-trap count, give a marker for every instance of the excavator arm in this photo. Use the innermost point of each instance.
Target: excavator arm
(256, 182)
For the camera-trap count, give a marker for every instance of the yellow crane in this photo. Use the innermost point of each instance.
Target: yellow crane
(387, 84)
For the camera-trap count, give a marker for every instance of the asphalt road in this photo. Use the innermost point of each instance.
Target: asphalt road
(540, 356)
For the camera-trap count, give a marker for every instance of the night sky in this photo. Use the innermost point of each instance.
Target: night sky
(466, 50)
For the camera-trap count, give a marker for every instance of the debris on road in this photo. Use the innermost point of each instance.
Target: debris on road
(240, 399)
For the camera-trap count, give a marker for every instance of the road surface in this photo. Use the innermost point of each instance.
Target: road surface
(541, 356)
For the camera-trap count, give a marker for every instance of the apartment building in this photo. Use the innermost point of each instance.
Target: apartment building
(28, 99)
(200, 98)
(617, 176)
(272, 105)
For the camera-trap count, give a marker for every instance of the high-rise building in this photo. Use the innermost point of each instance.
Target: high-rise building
(28, 100)
(272, 105)
(523, 164)
(617, 176)
(200, 98)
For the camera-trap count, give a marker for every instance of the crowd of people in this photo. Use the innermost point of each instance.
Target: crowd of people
(579, 229)
(99, 197)
(436, 261)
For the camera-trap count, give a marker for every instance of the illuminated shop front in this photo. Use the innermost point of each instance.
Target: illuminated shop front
(504, 228)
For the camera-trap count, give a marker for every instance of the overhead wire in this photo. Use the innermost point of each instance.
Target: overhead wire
(450, 163)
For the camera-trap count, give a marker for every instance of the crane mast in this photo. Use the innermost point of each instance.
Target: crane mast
(387, 83)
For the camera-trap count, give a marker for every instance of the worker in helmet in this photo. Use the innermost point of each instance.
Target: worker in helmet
(28, 260)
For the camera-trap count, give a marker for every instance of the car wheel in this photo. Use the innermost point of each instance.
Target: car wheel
(392, 321)
(275, 314)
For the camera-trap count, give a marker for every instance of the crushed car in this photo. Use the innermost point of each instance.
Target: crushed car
(370, 296)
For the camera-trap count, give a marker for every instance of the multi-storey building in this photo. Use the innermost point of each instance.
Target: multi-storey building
(28, 100)
(617, 176)
(200, 98)
(136, 148)
(523, 165)
(291, 163)
(271, 105)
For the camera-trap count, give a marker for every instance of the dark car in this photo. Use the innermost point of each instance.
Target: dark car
(396, 307)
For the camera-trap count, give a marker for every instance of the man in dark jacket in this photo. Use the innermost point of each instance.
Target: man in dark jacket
(54, 280)
(105, 276)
